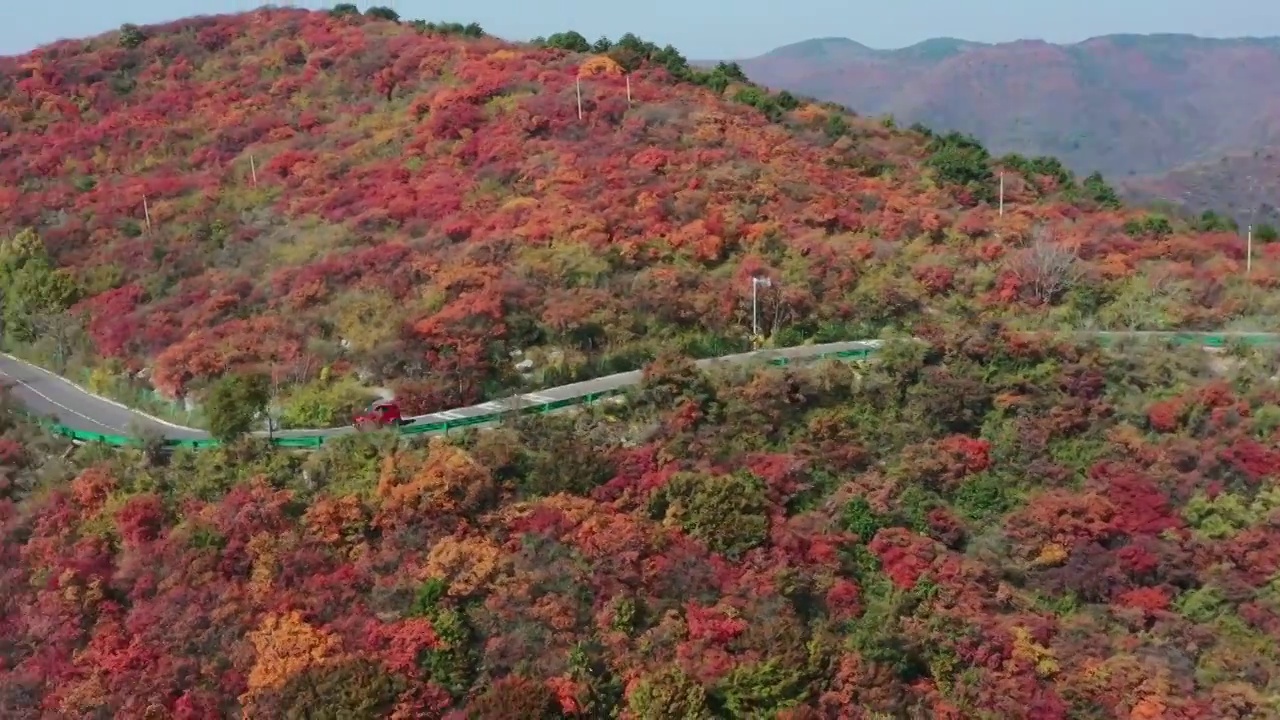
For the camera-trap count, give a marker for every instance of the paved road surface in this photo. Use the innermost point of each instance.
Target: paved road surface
(47, 394)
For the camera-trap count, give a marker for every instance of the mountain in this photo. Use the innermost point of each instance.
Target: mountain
(837, 49)
(1119, 104)
(832, 49)
(1245, 187)
(988, 519)
(341, 197)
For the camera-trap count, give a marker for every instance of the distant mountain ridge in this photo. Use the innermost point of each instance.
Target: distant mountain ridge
(939, 48)
(1124, 104)
(840, 47)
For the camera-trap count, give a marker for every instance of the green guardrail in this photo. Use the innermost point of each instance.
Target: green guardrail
(1214, 340)
(444, 426)
(316, 441)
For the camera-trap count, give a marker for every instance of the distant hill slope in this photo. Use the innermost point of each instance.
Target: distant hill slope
(1243, 186)
(1121, 104)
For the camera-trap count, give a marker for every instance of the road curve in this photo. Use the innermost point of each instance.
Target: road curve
(52, 396)
(49, 395)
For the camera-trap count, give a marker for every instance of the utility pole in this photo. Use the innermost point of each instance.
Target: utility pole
(578, 85)
(628, 88)
(253, 171)
(756, 282)
(1248, 252)
(146, 212)
(1001, 193)
(1253, 215)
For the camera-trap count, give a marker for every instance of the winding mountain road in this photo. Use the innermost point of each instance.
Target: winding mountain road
(49, 395)
(52, 396)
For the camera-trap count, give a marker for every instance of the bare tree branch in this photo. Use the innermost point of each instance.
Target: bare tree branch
(63, 330)
(1045, 269)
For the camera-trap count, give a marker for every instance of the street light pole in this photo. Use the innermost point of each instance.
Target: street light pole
(756, 282)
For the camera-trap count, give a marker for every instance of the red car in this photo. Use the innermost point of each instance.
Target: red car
(380, 415)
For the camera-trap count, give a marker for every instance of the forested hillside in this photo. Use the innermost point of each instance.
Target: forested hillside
(977, 527)
(341, 200)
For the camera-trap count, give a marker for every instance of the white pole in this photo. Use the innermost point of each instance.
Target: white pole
(756, 282)
(628, 88)
(579, 86)
(1001, 193)
(253, 171)
(146, 211)
(1248, 253)
(755, 317)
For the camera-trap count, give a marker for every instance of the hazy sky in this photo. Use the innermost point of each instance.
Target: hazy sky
(713, 28)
